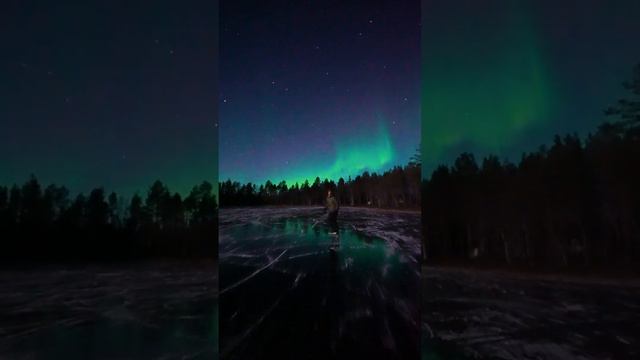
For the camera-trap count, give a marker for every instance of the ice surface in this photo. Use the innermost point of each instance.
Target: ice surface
(491, 315)
(286, 294)
(152, 310)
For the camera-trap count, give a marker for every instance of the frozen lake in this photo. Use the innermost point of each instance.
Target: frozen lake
(291, 290)
(143, 311)
(491, 315)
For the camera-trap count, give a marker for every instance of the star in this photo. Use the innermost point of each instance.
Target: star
(224, 101)
(170, 52)
(370, 21)
(326, 73)
(286, 89)
(405, 99)
(273, 82)
(359, 34)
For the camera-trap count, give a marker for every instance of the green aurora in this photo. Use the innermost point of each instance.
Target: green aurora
(371, 151)
(485, 84)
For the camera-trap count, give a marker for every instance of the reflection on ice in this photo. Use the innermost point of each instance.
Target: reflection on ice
(290, 288)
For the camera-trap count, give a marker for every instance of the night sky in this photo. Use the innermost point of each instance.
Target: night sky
(504, 76)
(317, 88)
(109, 93)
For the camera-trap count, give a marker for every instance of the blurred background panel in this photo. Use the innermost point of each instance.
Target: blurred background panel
(530, 146)
(108, 179)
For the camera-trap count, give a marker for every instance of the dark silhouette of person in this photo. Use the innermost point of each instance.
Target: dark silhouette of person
(332, 213)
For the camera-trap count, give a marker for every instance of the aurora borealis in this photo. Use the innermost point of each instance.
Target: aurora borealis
(111, 94)
(118, 95)
(365, 151)
(317, 89)
(504, 76)
(486, 107)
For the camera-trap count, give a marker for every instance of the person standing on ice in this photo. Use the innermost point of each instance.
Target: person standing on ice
(332, 213)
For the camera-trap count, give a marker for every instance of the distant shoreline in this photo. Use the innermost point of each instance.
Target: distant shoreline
(416, 211)
(106, 264)
(604, 277)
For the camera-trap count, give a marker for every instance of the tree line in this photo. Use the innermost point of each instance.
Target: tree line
(398, 187)
(39, 223)
(574, 204)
